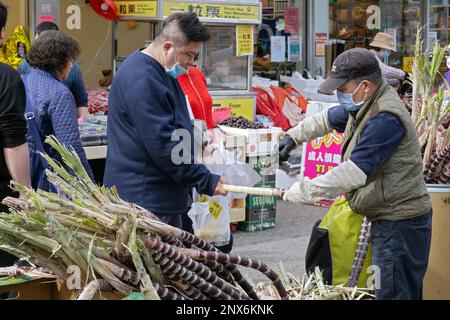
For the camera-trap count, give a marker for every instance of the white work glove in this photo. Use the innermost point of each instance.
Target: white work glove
(311, 128)
(344, 178)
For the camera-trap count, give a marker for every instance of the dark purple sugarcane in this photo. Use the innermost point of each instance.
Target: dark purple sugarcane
(188, 291)
(194, 293)
(166, 294)
(445, 176)
(221, 271)
(171, 269)
(173, 241)
(171, 253)
(202, 244)
(361, 253)
(246, 262)
(439, 158)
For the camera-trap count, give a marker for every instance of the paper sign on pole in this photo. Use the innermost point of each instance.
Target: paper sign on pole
(295, 49)
(278, 48)
(291, 20)
(244, 40)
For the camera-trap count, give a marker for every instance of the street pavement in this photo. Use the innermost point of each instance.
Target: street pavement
(286, 243)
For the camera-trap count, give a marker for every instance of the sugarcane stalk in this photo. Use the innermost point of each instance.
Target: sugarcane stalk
(416, 74)
(72, 160)
(246, 262)
(221, 271)
(190, 291)
(254, 191)
(126, 275)
(122, 237)
(171, 253)
(174, 270)
(361, 253)
(445, 176)
(203, 245)
(146, 283)
(166, 294)
(91, 289)
(153, 268)
(438, 160)
(27, 271)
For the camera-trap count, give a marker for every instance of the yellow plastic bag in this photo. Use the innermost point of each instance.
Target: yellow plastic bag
(15, 48)
(344, 227)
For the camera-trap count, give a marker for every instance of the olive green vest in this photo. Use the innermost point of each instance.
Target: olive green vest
(397, 189)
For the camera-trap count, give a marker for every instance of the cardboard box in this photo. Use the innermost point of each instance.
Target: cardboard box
(50, 289)
(259, 141)
(257, 163)
(239, 143)
(437, 278)
(256, 225)
(237, 210)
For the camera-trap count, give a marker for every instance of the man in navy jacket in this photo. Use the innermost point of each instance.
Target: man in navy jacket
(146, 107)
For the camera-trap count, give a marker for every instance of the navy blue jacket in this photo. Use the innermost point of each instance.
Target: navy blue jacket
(379, 139)
(145, 107)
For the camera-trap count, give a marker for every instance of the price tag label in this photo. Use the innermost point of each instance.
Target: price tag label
(215, 209)
(203, 198)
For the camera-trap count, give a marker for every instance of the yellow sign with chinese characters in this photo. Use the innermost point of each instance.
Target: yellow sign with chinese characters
(244, 40)
(244, 107)
(137, 9)
(214, 11)
(408, 64)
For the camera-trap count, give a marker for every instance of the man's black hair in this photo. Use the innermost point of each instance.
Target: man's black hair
(3, 15)
(46, 26)
(183, 28)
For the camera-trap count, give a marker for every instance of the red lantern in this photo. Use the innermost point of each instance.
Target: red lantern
(105, 8)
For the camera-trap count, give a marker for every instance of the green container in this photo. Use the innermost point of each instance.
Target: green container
(261, 202)
(260, 214)
(256, 225)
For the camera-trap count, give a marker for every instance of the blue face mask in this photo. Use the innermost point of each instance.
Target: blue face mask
(177, 70)
(346, 100)
(385, 54)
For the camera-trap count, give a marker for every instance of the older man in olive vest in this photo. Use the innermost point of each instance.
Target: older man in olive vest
(381, 173)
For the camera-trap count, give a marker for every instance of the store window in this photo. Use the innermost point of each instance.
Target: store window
(439, 22)
(222, 68)
(357, 22)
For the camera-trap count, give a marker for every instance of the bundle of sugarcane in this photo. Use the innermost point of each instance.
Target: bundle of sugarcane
(431, 111)
(312, 287)
(116, 245)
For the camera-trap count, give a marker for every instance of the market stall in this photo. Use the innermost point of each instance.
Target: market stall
(226, 60)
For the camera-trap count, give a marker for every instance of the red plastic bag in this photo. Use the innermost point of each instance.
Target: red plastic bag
(266, 106)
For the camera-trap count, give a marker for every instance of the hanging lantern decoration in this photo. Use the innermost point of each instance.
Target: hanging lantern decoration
(105, 8)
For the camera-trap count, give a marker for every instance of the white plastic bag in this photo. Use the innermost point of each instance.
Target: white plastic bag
(211, 219)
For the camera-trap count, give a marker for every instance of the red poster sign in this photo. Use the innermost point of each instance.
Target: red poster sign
(322, 155)
(291, 20)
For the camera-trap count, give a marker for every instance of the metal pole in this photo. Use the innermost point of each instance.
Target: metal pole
(114, 46)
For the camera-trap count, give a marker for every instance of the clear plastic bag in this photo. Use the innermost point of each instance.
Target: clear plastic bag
(211, 218)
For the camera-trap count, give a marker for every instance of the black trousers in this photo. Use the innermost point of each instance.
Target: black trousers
(400, 250)
(6, 259)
